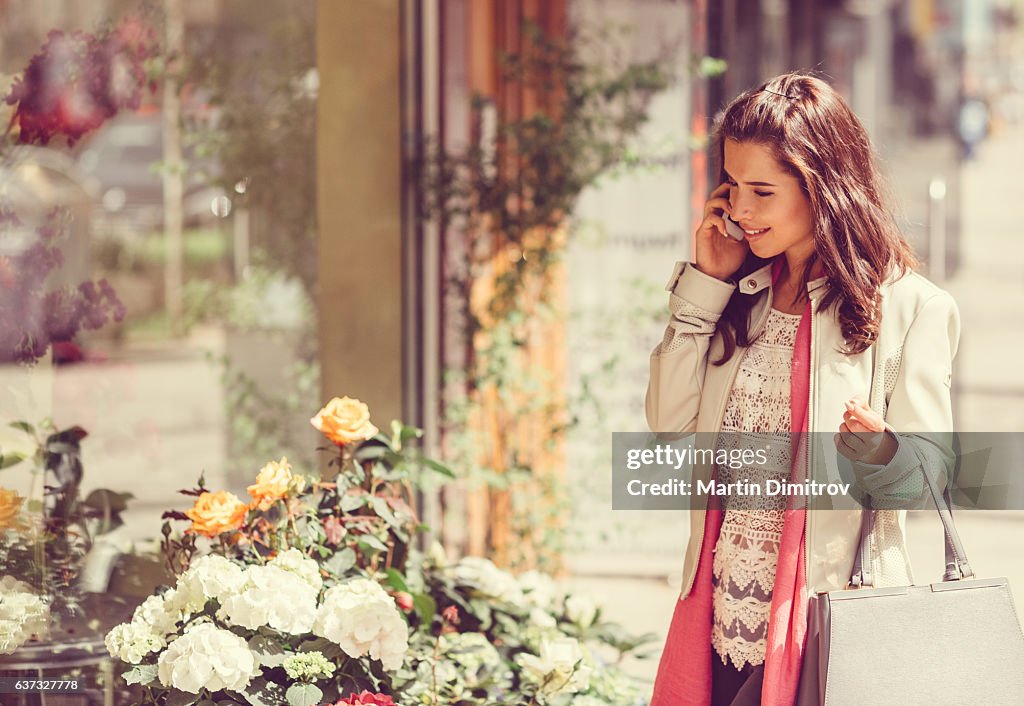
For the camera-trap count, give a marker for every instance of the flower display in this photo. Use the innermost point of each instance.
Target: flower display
(273, 483)
(344, 421)
(363, 619)
(10, 509)
(216, 513)
(206, 657)
(22, 614)
(325, 596)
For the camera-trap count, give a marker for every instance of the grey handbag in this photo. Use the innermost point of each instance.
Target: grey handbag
(957, 641)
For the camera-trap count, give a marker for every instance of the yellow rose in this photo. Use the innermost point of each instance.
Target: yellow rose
(216, 513)
(10, 509)
(272, 483)
(344, 421)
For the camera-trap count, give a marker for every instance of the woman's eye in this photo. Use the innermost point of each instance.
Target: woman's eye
(763, 193)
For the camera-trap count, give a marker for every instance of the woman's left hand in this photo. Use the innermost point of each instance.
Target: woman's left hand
(862, 435)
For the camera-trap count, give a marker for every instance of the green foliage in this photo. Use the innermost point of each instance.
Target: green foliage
(513, 194)
(47, 545)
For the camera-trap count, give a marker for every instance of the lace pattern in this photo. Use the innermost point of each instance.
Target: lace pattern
(746, 555)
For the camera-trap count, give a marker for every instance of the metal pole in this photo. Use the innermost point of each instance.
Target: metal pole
(937, 229)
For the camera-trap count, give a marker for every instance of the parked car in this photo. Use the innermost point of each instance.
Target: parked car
(122, 161)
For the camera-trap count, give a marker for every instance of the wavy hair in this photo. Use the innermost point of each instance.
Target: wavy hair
(814, 135)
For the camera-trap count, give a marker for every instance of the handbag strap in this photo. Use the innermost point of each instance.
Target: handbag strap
(957, 566)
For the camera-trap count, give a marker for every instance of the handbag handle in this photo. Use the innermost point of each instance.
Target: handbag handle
(957, 566)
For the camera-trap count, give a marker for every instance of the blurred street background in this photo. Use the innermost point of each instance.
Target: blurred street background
(293, 261)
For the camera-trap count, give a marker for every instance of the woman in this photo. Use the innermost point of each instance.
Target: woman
(812, 322)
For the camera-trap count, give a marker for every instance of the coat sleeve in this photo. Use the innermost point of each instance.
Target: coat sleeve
(696, 302)
(920, 411)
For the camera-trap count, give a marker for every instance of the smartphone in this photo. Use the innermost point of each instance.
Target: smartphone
(732, 228)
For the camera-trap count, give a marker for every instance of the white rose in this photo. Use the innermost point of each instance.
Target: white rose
(488, 579)
(362, 619)
(541, 618)
(301, 565)
(559, 669)
(275, 597)
(539, 589)
(206, 657)
(130, 642)
(581, 610)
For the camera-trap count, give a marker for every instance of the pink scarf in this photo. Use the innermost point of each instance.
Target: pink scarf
(684, 673)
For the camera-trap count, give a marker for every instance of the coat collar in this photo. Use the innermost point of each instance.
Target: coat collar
(762, 278)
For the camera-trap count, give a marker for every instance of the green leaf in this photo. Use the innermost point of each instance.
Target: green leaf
(180, 698)
(141, 674)
(396, 580)
(261, 692)
(352, 501)
(380, 506)
(304, 695)
(425, 607)
(341, 562)
(108, 501)
(439, 468)
(24, 426)
(11, 459)
(267, 651)
(368, 542)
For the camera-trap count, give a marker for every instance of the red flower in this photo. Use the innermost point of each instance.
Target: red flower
(404, 601)
(365, 698)
(78, 81)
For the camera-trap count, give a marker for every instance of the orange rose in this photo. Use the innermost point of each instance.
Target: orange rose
(344, 421)
(273, 483)
(215, 513)
(10, 509)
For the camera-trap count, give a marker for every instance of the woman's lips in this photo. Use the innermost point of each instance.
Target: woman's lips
(755, 233)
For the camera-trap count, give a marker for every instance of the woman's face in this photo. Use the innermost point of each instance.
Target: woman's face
(768, 203)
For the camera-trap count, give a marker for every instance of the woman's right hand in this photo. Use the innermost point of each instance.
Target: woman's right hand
(718, 254)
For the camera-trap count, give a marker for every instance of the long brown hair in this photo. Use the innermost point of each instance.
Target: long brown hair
(814, 135)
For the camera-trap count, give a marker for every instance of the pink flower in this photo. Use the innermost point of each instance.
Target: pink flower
(404, 601)
(365, 698)
(334, 530)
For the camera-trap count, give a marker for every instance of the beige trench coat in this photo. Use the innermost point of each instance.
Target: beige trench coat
(905, 376)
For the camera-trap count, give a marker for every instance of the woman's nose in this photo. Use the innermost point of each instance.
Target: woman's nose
(740, 206)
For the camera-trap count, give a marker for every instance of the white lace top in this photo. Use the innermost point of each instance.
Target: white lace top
(748, 546)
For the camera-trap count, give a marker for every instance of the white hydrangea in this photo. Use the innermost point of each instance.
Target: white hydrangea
(488, 579)
(130, 642)
(156, 614)
(539, 589)
(560, 668)
(360, 617)
(210, 576)
(206, 657)
(301, 565)
(22, 614)
(581, 610)
(274, 597)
